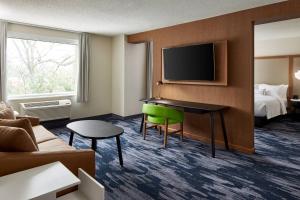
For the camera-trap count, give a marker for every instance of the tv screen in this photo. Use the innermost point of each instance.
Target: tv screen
(189, 63)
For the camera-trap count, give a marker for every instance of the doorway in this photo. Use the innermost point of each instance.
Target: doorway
(276, 81)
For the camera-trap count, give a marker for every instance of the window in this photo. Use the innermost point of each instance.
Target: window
(40, 68)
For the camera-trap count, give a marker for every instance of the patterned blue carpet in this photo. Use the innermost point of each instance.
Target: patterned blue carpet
(185, 170)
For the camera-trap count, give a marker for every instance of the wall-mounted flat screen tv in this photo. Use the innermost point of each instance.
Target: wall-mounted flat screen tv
(189, 63)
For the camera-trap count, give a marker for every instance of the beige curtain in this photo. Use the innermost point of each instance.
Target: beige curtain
(3, 38)
(149, 66)
(83, 73)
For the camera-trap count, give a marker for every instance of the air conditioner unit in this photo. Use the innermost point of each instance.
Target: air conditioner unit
(47, 110)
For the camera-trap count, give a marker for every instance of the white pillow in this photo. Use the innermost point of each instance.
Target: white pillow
(2, 105)
(260, 91)
(280, 90)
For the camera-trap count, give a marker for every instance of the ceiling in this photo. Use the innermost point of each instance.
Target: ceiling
(112, 17)
(278, 30)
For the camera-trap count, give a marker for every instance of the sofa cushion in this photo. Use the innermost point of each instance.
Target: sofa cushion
(20, 123)
(54, 145)
(14, 139)
(35, 121)
(7, 113)
(2, 105)
(42, 134)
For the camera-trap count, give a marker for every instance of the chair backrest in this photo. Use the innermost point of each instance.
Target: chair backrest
(163, 111)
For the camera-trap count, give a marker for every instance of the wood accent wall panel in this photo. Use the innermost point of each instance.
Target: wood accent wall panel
(237, 29)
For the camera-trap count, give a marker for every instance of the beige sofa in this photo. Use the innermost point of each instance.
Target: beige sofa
(51, 149)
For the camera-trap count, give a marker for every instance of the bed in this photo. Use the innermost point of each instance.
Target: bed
(270, 101)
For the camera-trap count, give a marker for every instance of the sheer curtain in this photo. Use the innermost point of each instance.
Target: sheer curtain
(83, 73)
(3, 37)
(149, 67)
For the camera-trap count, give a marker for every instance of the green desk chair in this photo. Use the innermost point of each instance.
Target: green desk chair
(162, 116)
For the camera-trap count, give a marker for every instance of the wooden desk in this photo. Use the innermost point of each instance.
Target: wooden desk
(199, 108)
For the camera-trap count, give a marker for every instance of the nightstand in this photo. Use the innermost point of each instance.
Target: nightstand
(295, 109)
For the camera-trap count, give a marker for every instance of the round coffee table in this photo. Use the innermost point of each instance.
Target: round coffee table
(94, 130)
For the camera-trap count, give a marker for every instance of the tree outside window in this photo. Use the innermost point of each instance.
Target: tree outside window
(39, 68)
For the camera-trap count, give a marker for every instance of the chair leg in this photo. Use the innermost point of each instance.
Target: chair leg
(181, 128)
(166, 134)
(144, 130)
(159, 128)
(145, 127)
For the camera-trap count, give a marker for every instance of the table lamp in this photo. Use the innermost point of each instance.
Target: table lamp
(297, 75)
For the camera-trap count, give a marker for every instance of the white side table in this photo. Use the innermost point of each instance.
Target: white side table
(88, 189)
(43, 182)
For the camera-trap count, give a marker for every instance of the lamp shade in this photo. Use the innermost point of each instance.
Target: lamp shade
(297, 75)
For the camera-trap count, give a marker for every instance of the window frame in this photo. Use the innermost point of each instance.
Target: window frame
(44, 38)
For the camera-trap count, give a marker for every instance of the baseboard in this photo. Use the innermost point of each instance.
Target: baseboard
(202, 138)
(55, 123)
(127, 117)
(63, 122)
(96, 117)
(218, 143)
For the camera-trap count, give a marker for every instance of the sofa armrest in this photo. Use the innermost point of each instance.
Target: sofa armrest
(12, 162)
(33, 120)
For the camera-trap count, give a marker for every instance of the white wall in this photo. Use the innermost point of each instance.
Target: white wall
(100, 96)
(128, 76)
(135, 77)
(284, 46)
(100, 93)
(118, 71)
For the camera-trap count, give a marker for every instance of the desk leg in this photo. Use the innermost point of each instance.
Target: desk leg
(119, 150)
(71, 138)
(212, 126)
(142, 123)
(224, 130)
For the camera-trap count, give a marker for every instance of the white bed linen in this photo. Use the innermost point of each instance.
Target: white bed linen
(269, 106)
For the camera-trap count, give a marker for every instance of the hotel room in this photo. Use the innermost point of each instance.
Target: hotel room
(276, 67)
(146, 99)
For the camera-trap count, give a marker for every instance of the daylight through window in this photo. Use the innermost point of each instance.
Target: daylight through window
(37, 68)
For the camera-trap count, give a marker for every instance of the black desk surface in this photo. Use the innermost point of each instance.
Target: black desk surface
(187, 104)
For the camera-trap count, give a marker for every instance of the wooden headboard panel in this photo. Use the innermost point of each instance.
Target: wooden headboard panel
(281, 73)
(271, 71)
